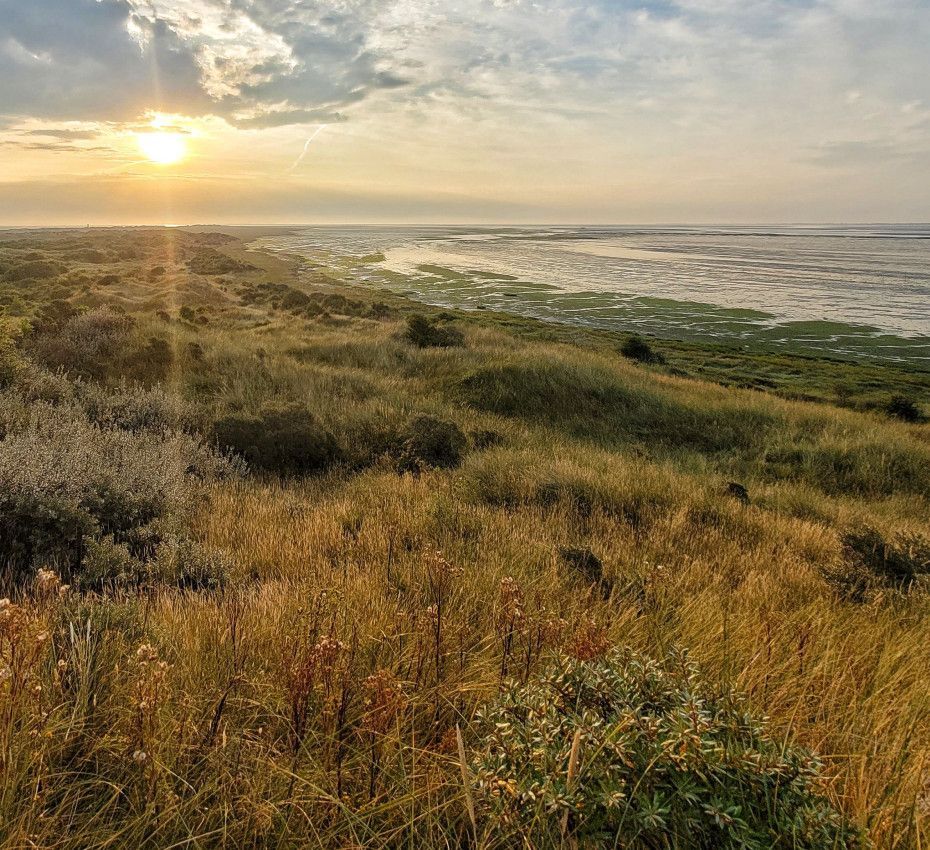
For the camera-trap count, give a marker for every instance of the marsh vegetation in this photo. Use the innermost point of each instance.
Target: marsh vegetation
(289, 563)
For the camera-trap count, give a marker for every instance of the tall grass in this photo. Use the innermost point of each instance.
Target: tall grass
(324, 692)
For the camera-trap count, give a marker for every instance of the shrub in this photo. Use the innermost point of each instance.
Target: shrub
(108, 565)
(903, 408)
(636, 348)
(428, 442)
(11, 362)
(135, 408)
(34, 269)
(64, 479)
(874, 561)
(178, 561)
(583, 562)
(285, 440)
(85, 344)
(210, 262)
(626, 751)
(485, 438)
(185, 563)
(427, 333)
(151, 362)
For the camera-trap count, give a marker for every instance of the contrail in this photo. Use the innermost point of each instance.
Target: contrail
(303, 153)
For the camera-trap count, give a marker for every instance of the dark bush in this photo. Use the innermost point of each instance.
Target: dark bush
(152, 362)
(625, 751)
(485, 438)
(738, 491)
(87, 343)
(873, 560)
(903, 408)
(210, 262)
(35, 269)
(426, 333)
(285, 440)
(294, 299)
(636, 348)
(583, 562)
(428, 442)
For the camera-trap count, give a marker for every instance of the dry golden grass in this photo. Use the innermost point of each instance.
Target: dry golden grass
(315, 700)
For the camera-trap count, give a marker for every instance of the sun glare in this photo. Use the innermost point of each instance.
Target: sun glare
(162, 148)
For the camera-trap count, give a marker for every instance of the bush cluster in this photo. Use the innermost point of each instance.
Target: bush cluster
(875, 561)
(85, 344)
(903, 408)
(427, 442)
(210, 262)
(636, 348)
(424, 332)
(625, 751)
(284, 439)
(68, 482)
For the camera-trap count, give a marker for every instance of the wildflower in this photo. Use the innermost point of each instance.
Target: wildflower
(47, 582)
(384, 700)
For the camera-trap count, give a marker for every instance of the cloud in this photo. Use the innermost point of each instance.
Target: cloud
(76, 59)
(255, 64)
(572, 97)
(56, 147)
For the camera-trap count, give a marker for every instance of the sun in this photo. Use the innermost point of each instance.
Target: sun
(162, 147)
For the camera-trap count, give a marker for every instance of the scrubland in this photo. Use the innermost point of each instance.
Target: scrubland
(290, 563)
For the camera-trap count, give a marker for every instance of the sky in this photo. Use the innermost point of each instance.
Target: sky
(464, 111)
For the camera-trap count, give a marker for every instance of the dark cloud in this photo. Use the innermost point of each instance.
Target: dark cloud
(114, 59)
(76, 59)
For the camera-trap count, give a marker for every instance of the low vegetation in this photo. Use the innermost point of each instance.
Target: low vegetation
(289, 563)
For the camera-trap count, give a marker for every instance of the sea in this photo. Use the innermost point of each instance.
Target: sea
(858, 290)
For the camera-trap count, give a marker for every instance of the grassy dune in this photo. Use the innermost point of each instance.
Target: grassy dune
(286, 655)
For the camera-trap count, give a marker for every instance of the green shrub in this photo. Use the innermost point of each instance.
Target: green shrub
(64, 479)
(636, 348)
(210, 262)
(426, 333)
(903, 408)
(135, 408)
(185, 563)
(37, 269)
(178, 561)
(85, 344)
(661, 759)
(285, 440)
(428, 442)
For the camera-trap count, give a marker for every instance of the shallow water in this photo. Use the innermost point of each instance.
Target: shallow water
(857, 290)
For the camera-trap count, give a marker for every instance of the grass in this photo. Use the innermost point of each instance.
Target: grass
(312, 696)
